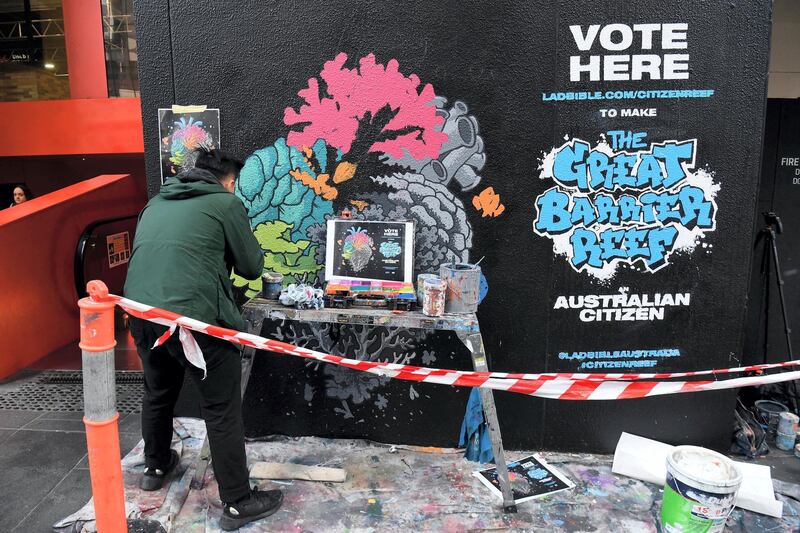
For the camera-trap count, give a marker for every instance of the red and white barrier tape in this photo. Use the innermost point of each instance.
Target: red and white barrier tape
(558, 386)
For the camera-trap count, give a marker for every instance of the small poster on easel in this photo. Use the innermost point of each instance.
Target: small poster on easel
(370, 250)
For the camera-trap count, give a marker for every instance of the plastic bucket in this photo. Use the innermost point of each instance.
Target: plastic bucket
(770, 413)
(787, 423)
(700, 490)
(785, 441)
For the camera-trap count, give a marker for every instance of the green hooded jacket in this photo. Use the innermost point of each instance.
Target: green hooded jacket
(188, 238)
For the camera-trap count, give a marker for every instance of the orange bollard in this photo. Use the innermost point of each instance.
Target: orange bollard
(100, 410)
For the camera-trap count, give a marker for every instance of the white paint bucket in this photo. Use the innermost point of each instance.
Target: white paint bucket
(700, 490)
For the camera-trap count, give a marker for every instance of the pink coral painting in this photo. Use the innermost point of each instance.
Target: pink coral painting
(351, 96)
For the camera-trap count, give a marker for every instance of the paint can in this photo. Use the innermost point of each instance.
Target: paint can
(421, 285)
(433, 297)
(271, 285)
(785, 441)
(797, 450)
(463, 286)
(770, 413)
(700, 490)
(787, 423)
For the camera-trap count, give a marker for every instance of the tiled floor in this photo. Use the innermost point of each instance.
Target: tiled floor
(45, 474)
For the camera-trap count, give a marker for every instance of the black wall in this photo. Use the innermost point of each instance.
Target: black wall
(250, 59)
(779, 192)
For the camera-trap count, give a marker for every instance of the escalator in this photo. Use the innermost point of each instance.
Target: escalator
(102, 252)
(54, 383)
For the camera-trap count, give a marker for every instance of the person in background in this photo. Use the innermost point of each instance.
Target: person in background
(188, 239)
(21, 195)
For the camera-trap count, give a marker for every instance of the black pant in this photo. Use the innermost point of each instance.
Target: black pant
(220, 402)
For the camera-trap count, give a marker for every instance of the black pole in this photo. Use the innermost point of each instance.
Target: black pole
(765, 276)
(773, 228)
(786, 328)
(28, 29)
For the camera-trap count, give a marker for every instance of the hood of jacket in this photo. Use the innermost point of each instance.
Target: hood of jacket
(193, 182)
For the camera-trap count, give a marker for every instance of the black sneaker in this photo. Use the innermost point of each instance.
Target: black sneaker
(260, 504)
(153, 478)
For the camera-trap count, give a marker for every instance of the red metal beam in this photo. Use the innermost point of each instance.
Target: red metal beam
(71, 127)
(86, 57)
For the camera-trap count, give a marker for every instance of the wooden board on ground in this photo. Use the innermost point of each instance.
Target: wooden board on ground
(264, 470)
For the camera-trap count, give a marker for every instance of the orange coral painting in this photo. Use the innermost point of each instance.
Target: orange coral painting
(319, 183)
(488, 203)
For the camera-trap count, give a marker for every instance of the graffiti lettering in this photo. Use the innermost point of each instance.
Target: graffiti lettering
(612, 205)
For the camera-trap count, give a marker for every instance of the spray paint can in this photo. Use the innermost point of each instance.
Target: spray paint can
(421, 285)
(463, 286)
(433, 297)
(271, 285)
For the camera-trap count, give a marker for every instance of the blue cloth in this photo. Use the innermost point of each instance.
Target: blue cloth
(474, 432)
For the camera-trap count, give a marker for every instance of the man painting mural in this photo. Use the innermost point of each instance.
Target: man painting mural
(188, 239)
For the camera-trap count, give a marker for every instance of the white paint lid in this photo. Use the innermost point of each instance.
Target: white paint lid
(705, 466)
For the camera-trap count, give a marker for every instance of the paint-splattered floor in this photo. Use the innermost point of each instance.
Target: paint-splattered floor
(393, 488)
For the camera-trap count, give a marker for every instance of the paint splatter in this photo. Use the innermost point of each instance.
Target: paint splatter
(384, 487)
(488, 203)
(374, 508)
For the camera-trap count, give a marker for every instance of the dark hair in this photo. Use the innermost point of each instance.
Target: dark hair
(25, 190)
(218, 163)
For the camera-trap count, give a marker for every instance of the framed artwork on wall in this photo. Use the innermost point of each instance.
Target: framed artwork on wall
(183, 129)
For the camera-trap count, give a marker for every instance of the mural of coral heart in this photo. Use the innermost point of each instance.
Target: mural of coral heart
(380, 143)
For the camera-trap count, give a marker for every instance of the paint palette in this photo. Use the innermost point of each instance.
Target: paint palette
(343, 293)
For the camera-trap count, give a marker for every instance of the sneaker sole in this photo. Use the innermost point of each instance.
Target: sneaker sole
(158, 482)
(227, 523)
(150, 488)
